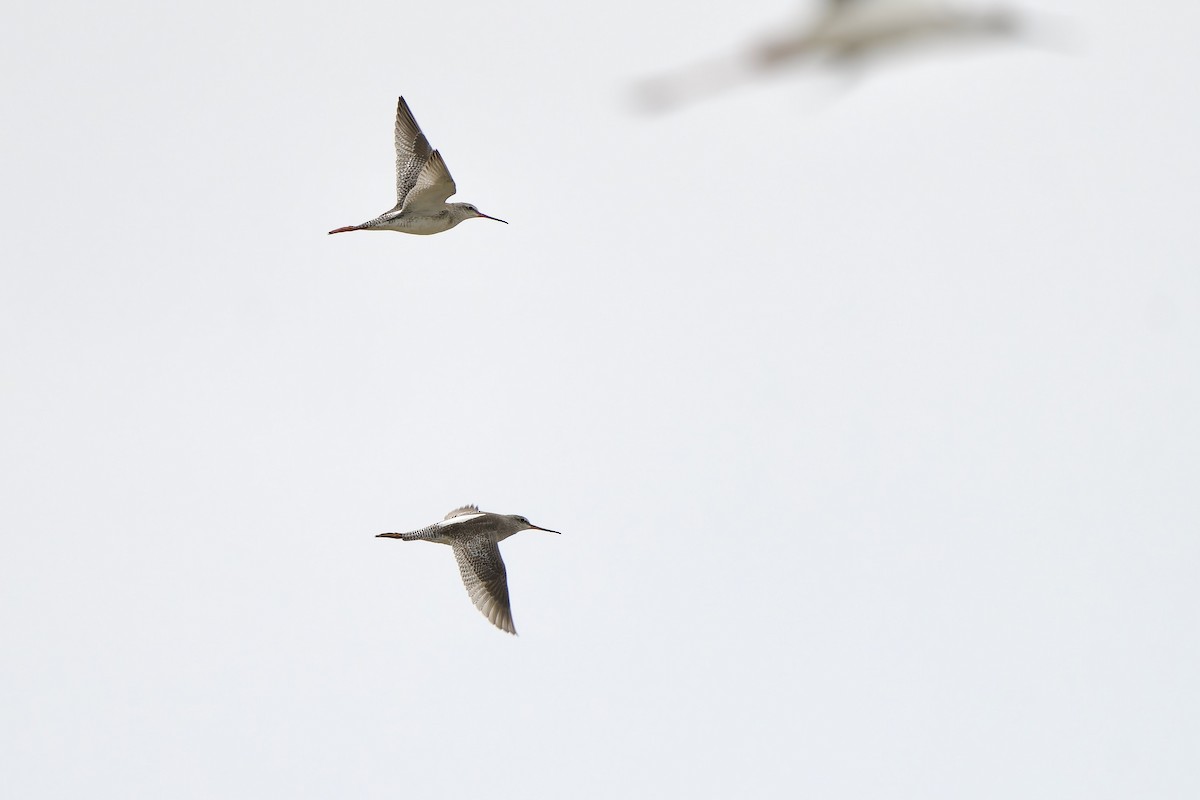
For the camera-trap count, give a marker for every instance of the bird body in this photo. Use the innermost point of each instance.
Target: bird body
(417, 222)
(423, 184)
(475, 535)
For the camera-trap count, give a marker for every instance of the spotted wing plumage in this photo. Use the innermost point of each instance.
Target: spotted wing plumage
(486, 580)
(412, 151)
(434, 185)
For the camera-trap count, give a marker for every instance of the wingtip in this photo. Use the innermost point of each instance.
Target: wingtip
(504, 622)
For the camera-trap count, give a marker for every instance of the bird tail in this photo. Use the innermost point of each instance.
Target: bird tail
(425, 534)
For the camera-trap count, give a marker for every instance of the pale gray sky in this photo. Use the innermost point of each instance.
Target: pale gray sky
(870, 420)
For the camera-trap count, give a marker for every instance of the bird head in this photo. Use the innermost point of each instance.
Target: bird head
(468, 211)
(523, 524)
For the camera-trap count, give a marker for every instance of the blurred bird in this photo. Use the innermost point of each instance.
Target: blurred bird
(850, 30)
(475, 535)
(423, 184)
(845, 33)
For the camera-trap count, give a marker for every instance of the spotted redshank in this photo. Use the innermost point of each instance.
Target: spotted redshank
(423, 184)
(475, 535)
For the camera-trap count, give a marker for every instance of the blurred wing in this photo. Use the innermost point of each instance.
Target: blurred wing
(412, 151)
(835, 7)
(434, 185)
(484, 576)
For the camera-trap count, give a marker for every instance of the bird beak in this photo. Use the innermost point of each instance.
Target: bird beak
(389, 535)
(485, 216)
(547, 530)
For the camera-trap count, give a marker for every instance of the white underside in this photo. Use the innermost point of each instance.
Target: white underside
(419, 224)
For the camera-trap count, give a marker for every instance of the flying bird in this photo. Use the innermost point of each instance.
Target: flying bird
(847, 34)
(475, 537)
(423, 184)
(856, 30)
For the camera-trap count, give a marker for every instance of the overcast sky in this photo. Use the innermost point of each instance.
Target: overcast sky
(868, 411)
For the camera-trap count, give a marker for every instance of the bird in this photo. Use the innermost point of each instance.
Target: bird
(852, 31)
(475, 537)
(423, 184)
(845, 34)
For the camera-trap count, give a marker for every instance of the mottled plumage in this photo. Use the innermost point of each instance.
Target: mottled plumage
(475, 536)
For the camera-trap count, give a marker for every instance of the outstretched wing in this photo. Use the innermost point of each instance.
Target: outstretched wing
(484, 576)
(434, 185)
(412, 151)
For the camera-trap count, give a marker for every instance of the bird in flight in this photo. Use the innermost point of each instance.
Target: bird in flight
(845, 34)
(423, 184)
(475, 536)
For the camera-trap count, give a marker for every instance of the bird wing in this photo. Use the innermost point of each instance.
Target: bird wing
(471, 509)
(412, 151)
(460, 515)
(484, 576)
(837, 8)
(433, 186)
